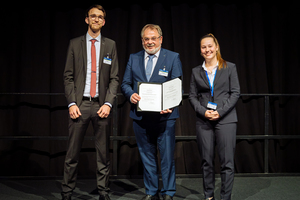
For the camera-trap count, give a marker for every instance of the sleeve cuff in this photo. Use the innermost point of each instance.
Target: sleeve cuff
(107, 103)
(71, 104)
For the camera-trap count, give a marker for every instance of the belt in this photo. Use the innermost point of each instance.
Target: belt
(95, 99)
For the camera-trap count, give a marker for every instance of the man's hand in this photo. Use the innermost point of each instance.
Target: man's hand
(74, 112)
(135, 98)
(104, 111)
(166, 111)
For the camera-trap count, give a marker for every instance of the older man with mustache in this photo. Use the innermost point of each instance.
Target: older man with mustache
(153, 130)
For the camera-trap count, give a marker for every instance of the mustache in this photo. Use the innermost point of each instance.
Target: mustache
(150, 45)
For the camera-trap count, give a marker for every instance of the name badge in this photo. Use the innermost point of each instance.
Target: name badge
(107, 61)
(212, 105)
(163, 73)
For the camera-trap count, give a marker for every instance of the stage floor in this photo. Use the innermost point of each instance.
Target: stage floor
(245, 188)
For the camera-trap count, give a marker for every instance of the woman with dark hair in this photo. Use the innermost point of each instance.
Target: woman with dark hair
(214, 92)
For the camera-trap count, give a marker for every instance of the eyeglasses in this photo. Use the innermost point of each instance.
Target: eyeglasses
(148, 39)
(100, 17)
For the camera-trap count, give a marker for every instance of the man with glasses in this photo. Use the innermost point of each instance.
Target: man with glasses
(91, 80)
(153, 130)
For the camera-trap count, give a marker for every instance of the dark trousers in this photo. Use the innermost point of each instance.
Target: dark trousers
(77, 130)
(223, 136)
(151, 136)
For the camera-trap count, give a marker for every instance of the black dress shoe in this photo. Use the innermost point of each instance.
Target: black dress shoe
(104, 197)
(151, 197)
(66, 197)
(167, 197)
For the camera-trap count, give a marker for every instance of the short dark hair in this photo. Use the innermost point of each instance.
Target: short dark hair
(95, 6)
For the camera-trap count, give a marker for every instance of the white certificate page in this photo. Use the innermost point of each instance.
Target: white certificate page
(150, 97)
(172, 93)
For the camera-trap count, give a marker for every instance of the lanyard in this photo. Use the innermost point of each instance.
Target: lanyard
(211, 83)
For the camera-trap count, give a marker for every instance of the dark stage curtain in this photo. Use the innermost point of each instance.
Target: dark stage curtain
(261, 39)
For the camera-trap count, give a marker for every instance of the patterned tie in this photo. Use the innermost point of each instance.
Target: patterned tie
(149, 67)
(94, 68)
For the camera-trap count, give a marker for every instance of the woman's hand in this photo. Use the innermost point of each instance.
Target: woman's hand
(212, 115)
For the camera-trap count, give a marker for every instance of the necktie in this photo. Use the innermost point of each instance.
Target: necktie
(94, 69)
(149, 67)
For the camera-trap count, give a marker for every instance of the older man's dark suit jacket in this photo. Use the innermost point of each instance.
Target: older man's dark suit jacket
(76, 69)
(135, 72)
(226, 93)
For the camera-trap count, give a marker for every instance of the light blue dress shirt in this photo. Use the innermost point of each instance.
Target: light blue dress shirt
(87, 88)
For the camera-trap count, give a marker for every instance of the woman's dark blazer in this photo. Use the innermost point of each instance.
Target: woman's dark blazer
(226, 93)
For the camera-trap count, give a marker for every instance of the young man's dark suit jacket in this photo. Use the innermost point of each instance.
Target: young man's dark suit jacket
(76, 67)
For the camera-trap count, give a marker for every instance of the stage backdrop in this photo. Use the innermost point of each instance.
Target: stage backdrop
(261, 39)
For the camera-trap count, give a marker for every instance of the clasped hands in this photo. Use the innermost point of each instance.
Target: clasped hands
(103, 112)
(212, 115)
(136, 98)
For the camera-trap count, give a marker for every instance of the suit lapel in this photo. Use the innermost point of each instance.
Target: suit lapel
(141, 65)
(102, 52)
(218, 75)
(84, 53)
(161, 58)
(203, 76)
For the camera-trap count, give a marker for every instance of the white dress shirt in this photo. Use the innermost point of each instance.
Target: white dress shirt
(211, 75)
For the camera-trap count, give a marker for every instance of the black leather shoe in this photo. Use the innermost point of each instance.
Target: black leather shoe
(66, 197)
(104, 197)
(167, 197)
(151, 197)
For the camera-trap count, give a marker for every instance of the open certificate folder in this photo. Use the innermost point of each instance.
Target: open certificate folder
(156, 97)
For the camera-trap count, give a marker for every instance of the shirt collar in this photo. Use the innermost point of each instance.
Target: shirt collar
(156, 54)
(88, 37)
(214, 68)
